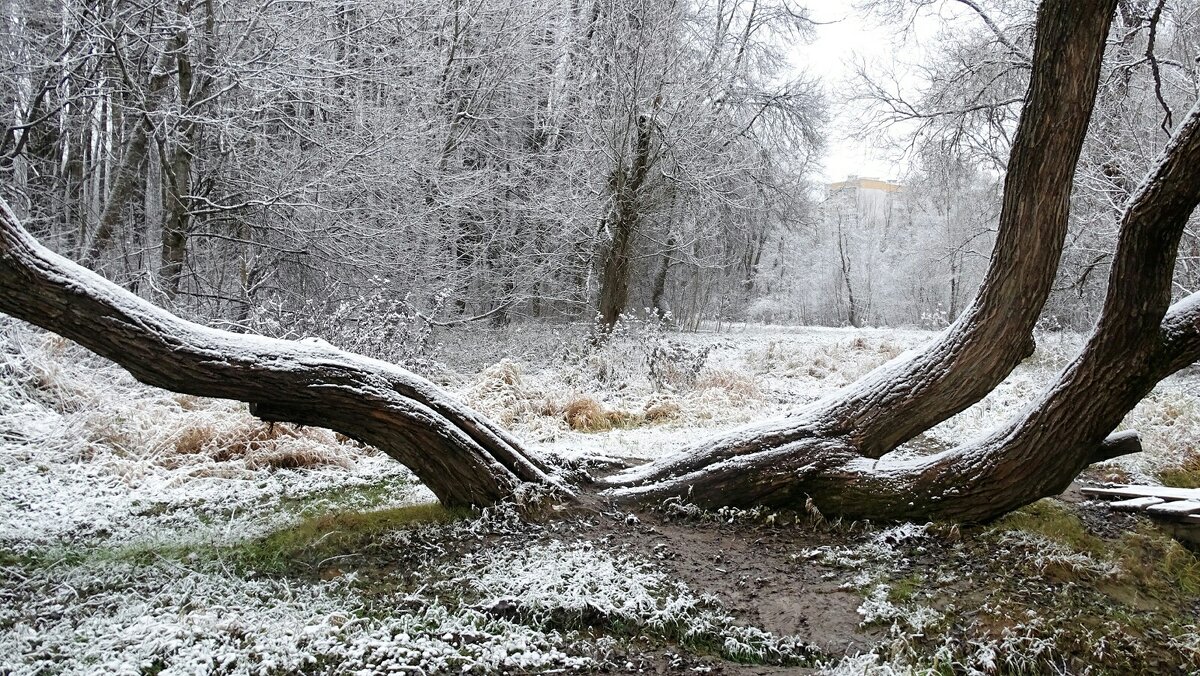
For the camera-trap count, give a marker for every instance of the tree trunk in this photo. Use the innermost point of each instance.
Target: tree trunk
(847, 278)
(127, 174)
(177, 181)
(625, 222)
(658, 290)
(1136, 343)
(829, 453)
(463, 457)
(910, 394)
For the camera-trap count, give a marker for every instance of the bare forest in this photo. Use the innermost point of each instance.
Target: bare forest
(540, 336)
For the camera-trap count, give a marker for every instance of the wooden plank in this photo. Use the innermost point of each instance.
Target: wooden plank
(1176, 508)
(1164, 492)
(1134, 504)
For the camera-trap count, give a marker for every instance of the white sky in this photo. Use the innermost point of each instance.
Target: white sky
(849, 34)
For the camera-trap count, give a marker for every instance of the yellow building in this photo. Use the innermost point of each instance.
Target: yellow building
(864, 183)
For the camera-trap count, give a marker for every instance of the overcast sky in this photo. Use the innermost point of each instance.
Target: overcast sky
(847, 35)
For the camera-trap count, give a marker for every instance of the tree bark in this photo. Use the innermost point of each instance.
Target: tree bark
(124, 185)
(625, 220)
(829, 453)
(1137, 342)
(463, 457)
(914, 392)
(659, 289)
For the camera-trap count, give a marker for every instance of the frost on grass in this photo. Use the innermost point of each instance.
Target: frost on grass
(1047, 555)
(575, 585)
(878, 608)
(124, 619)
(87, 454)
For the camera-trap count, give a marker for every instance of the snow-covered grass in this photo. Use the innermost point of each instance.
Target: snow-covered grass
(127, 516)
(88, 455)
(169, 619)
(575, 585)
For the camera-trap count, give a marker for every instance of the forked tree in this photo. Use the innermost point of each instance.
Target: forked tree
(834, 452)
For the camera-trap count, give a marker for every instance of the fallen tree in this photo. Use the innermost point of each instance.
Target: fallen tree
(463, 457)
(833, 453)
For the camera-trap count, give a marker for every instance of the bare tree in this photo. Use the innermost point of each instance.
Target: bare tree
(832, 453)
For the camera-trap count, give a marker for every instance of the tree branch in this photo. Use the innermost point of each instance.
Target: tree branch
(463, 457)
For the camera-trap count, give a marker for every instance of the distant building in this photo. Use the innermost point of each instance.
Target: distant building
(864, 183)
(869, 202)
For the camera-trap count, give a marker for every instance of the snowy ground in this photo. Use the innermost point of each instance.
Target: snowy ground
(127, 514)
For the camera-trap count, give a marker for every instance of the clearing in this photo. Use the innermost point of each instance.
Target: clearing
(145, 532)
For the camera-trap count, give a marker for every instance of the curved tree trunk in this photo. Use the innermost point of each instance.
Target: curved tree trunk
(909, 395)
(830, 452)
(1136, 343)
(463, 457)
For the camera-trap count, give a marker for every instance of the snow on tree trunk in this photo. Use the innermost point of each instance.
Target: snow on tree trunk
(917, 391)
(463, 457)
(832, 452)
(1137, 342)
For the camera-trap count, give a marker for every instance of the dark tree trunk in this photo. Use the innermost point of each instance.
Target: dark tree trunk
(829, 453)
(906, 397)
(177, 183)
(847, 280)
(659, 289)
(463, 457)
(828, 450)
(128, 173)
(625, 220)
(177, 178)
(1137, 342)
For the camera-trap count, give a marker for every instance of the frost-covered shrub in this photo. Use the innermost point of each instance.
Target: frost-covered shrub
(618, 357)
(674, 367)
(380, 323)
(502, 392)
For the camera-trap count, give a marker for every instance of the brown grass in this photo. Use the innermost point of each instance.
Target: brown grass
(583, 413)
(734, 382)
(657, 410)
(260, 445)
(1184, 475)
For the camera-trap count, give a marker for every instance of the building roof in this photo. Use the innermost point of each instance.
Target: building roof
(864, 183)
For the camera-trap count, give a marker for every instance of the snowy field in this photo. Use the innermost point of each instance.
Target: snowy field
(131, 519)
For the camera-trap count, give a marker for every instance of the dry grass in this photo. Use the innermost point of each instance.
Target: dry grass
(1184, 475)
(1169, 423)
(502, 393)
(258, 445)
(661, 408)
(736, 383)
(583, 413)
(844, 361)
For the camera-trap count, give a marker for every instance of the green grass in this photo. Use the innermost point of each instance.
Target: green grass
(903, 589)
(1156, 583)
(299, 547)
(1055, 521)
(1184, 475)
(1152, 563)
(319, 538)
(1163, 568)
